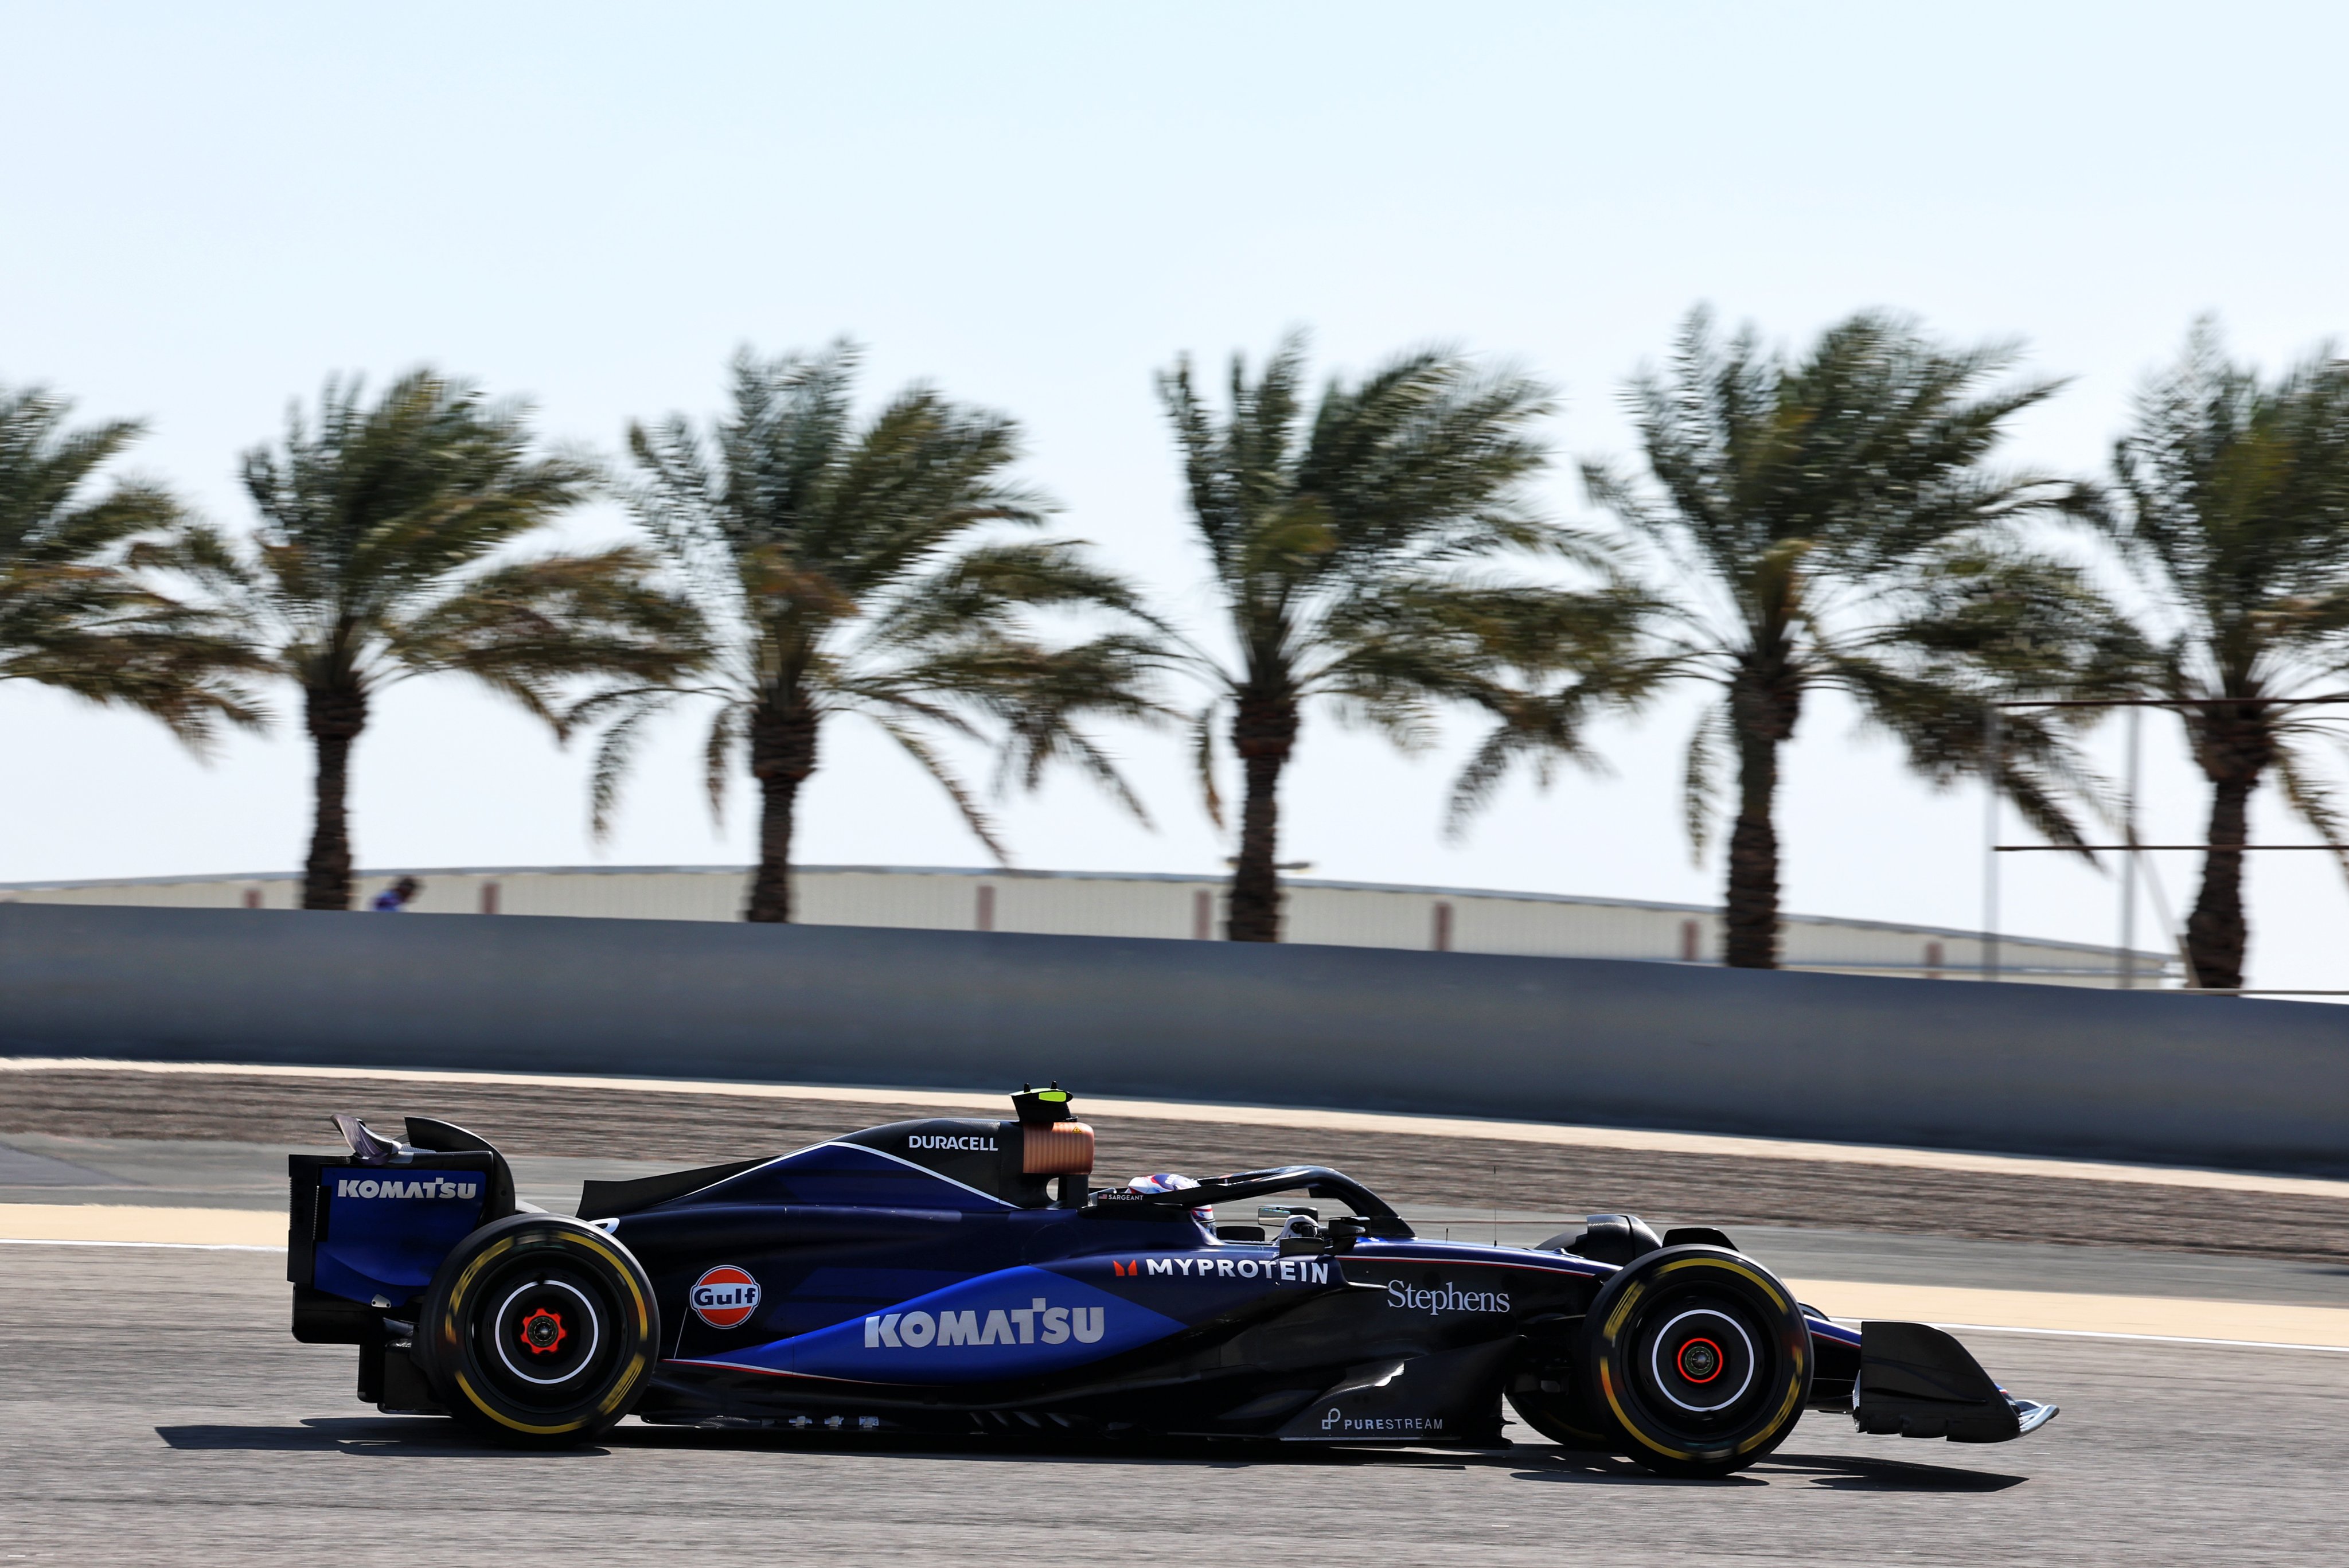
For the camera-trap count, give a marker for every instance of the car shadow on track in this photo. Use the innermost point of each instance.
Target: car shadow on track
(419, 1437)
(1840, 1472)
(1836, 1472)
(425, 1436)
(1528, 1461)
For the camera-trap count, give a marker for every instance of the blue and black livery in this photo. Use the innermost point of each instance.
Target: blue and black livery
(954, 1276)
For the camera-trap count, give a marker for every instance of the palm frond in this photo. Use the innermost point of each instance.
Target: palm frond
(918, 747)
(1870, 448)
(1480, 778)
(1541, 660)
(1427, 458)
(2231, 498)
(716, 755)
(1701, 778)
(616, 747)
(1541, 730)
(1203, 761)
(2315, 800)
(999, 584)
(382, 522)
(529, 628)
(1038, 696)
(80, 610)
(1945, 730)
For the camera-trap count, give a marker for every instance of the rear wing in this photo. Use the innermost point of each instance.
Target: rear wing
(368, 1230)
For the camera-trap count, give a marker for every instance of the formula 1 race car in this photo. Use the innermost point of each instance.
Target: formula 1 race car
(960, 1276)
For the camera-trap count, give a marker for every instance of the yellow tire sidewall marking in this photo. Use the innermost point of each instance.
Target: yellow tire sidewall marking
(447, 1325)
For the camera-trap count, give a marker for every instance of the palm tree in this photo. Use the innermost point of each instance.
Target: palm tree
(1833, 523)
(2231, 499)
(75, 610)
(379, 559)
(1353, 551)
(837, 570)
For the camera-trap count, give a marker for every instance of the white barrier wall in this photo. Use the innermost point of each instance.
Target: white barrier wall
(1173, 908)
(2167, 1076)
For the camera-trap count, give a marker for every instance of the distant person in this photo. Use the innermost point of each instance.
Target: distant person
(397, 897)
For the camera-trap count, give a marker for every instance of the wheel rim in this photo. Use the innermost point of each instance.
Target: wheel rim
(1703, 1360)
(547, 1332)
(546, 1338)
(1700, 1363)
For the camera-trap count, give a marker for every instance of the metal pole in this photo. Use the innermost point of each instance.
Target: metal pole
(1989, 842)
(2169, 925)
(2128, 860)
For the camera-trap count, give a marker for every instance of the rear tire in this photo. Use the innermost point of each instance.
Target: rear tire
(539, 1330)
(1702, 1357)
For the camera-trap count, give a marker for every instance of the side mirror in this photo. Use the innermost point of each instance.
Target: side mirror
(1345, 1231)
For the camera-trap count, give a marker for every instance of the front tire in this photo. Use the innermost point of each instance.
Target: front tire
(1702, 1356)
(539, 1330)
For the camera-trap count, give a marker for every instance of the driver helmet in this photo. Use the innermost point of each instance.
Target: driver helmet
(1167, 1181)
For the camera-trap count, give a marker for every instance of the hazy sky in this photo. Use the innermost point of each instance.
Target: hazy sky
(209, 208)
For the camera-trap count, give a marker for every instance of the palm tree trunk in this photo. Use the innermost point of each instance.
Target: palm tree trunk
(782, 755)
(1264, 732)
(2234, 750)
(335, 720)
(1763, 707)
(1752, 915)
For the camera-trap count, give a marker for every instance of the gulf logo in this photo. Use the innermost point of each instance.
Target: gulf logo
(724, 1297)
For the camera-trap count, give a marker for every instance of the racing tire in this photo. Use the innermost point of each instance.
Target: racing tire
(1702, 1356)
(539, 1330)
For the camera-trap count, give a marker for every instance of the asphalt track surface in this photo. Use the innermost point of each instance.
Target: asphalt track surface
(154, 1410)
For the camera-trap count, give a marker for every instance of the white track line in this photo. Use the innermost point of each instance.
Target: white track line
(1317, 1120)
(174, 1246)
(2145, 1338)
